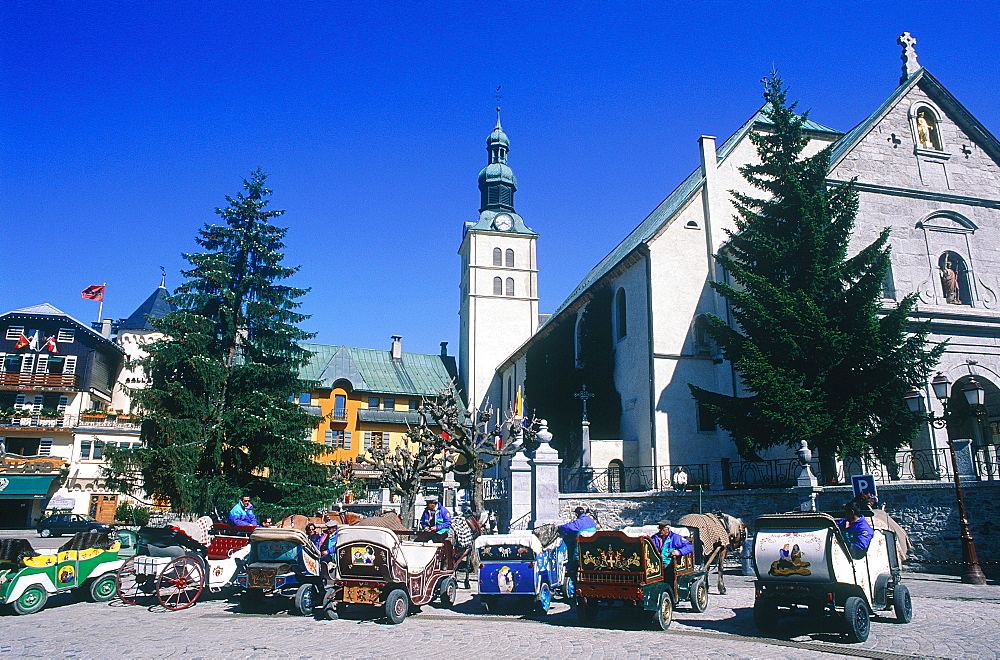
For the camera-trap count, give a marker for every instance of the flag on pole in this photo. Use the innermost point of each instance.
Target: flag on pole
(22, 341)
(35, 343)
(94, 292)
(50, 344)
(519, 408)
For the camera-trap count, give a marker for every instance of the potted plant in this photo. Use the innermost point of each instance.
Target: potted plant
(93, 414)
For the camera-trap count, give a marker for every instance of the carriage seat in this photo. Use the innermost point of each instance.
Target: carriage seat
(289, 535)
(419, 555)
(223, 547)
(14, 551)
(88, 540)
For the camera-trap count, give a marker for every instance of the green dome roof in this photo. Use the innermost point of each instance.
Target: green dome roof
(498, 172)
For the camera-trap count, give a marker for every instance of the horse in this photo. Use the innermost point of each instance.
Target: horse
(720, 534)
(299, 522)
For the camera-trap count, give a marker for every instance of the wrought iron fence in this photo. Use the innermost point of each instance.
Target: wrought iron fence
(618, 479)
(988, 462)
(494, 490)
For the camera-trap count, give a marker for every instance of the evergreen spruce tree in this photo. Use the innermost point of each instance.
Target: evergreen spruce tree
(820, 358)
(218, 414)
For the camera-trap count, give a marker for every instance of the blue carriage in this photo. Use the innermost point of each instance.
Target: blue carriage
(282, 562)
(521, 569)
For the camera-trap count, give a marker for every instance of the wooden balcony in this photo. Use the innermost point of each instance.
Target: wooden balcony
(37, 381)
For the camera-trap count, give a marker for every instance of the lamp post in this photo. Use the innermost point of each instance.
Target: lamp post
(972, 573)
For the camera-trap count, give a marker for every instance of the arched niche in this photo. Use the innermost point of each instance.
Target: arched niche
(616, 476)
(963, 423)
(925, 123)
(956, 285)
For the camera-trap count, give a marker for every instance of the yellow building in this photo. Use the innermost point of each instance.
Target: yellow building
(368, 397)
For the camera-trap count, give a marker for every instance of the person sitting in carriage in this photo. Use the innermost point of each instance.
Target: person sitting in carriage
(669, 543)
(436, 519)
(857, 529)
(242, 513)
(328, 543)
(584, 522)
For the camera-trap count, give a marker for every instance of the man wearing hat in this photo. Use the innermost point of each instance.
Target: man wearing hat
(584, 522)
(670, 544)
(328, 544)
(436, 518)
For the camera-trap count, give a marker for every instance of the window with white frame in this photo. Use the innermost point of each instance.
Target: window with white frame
(497, 258)
(14, 332)
(65, 335)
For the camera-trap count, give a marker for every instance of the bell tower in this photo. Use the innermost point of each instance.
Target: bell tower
(499, 288)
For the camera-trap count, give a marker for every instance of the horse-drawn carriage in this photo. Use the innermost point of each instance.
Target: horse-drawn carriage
(176, 563)
(805, 559)
(520, 567)
(625, 568)
(88, 561)
(376, 568)
(282, 561)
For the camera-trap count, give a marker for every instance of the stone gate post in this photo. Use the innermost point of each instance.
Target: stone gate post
(544, 480)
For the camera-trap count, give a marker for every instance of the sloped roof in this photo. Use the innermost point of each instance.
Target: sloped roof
(46, 309)
(155, 306)
(371, 370)
(674, 202)
(942, 96)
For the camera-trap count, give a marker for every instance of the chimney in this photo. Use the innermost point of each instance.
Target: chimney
(106, 328)
(397, 347)
(444, 349)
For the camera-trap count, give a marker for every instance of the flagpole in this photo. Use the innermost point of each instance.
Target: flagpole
(100, 309)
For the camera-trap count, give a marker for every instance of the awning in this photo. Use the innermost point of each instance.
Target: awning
(24, 486)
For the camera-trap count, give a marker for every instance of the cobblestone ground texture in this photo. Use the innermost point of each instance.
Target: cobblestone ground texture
(951, 620)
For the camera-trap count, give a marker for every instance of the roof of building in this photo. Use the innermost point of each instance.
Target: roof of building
(156, 306)
(371, 370)
(46, 309)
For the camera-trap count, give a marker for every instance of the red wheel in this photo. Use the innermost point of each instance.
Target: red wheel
(128, 583)
(180, 583)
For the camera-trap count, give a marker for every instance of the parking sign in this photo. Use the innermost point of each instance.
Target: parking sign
(864, 483)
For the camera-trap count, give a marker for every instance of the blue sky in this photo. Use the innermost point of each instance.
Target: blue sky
(123, 125)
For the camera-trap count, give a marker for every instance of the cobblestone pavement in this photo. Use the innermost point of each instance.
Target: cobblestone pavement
(951, 620)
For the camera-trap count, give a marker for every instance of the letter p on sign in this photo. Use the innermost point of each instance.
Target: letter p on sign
(864, 483)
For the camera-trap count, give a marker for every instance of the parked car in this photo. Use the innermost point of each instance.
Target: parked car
(69, 523)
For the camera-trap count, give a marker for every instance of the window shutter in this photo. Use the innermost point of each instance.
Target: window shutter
(45, 447)
(3, 362)
(63, 402)
(69, 367)
(65, 335)
(385, 439)
(36, 405)
(328, 438)
(368, 440)
(42, 364)
(14, 332)
(347, 439)
(19, 401)
(28, 363)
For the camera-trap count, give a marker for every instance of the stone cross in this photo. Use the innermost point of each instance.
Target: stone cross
(909, 56)
(583, 395)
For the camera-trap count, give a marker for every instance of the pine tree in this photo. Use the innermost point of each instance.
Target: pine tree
(820, 358)
(218, 412)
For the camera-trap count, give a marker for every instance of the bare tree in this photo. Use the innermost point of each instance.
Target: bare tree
(479, 439)
(404, 469)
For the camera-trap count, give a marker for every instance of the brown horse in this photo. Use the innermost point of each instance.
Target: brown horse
(299, 522)
(720, 534)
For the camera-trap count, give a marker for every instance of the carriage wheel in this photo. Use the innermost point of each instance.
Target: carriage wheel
(397, 605)
(664, 611)
(180, 583)
(305, 600)
(586, 612)
(699, 594)
(856, 618)
(128, 583)
(765, 616)
(902, 604)
(544, 599)
(31, 600)
(448, 591)
(102, 589)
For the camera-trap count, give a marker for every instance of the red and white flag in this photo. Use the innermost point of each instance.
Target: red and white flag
(93, 292)
(50, 344)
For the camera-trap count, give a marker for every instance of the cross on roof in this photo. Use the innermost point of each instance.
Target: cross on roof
(583, 395)
(909, 55)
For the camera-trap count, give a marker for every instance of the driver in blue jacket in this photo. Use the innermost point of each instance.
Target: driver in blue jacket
(670, 544)
(584, 522)
(857, 529)
(436, 519)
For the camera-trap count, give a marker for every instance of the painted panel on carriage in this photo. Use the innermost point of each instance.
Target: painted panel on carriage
(799, 554)
(506, 552)
(507, 578)
(362, 555)
(611, 553)
(277, 551)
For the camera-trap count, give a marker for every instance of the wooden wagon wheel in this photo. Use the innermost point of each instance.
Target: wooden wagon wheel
(181, 583)
(127, 583)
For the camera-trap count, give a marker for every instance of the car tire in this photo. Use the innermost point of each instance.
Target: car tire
(856, 617)
(765, 616)
(305, 600)
(448, 591)
(568, 588)
(45, 533)
(544, 600)
(664, 613)
(103, 588)
(902, 604)
(31, 600)
(397, 606)
(699, 595)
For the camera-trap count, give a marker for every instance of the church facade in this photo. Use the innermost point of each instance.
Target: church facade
(632, 330)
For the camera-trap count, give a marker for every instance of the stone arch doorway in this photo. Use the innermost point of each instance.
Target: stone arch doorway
(966, 425)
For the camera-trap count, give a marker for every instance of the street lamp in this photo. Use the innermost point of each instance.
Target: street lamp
(972, 573)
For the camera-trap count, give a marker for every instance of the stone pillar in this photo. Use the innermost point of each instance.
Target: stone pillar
(518, 489)
(450, 491)
(715, 475)
(585, 458)
(963, 458)
(807, 485)
(545, 480)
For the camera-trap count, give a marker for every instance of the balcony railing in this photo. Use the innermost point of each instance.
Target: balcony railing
(72, 421)
(627, 479)
(339, 415)
(494, 490)
(60, 381)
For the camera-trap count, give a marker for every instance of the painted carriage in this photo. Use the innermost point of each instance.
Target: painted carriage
(519, 568)
(376, 568)
(282, 562)
(87, 563)
(624, 568)
(176, 564)
(804, 559)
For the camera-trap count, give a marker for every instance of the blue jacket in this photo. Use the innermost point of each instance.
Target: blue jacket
(438, 520)
(571, 530)
(859, 535)
(673, 541)
(240, 516)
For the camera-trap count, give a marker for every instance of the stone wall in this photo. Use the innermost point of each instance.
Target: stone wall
(928, 512)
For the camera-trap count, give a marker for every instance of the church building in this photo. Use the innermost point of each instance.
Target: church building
(632, 332)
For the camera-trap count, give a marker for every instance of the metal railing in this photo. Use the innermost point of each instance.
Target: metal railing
(614, 479)
(494, 490)
(70, 421)
(61, 381)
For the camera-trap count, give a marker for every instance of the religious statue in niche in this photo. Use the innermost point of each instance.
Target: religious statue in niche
(927, 130)
(949, 283)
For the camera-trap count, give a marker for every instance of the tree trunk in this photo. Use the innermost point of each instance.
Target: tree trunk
(407, 507)
(478, 509)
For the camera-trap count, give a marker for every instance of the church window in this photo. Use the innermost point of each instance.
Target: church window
(497, 256)
(702, 339)
(510, 258)
(616, 476)
(578, 343)
(621, 314)
(888, 286)
(510, 286)
(706, 421)
(497, 286)
(954, 276)
(926, 128)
